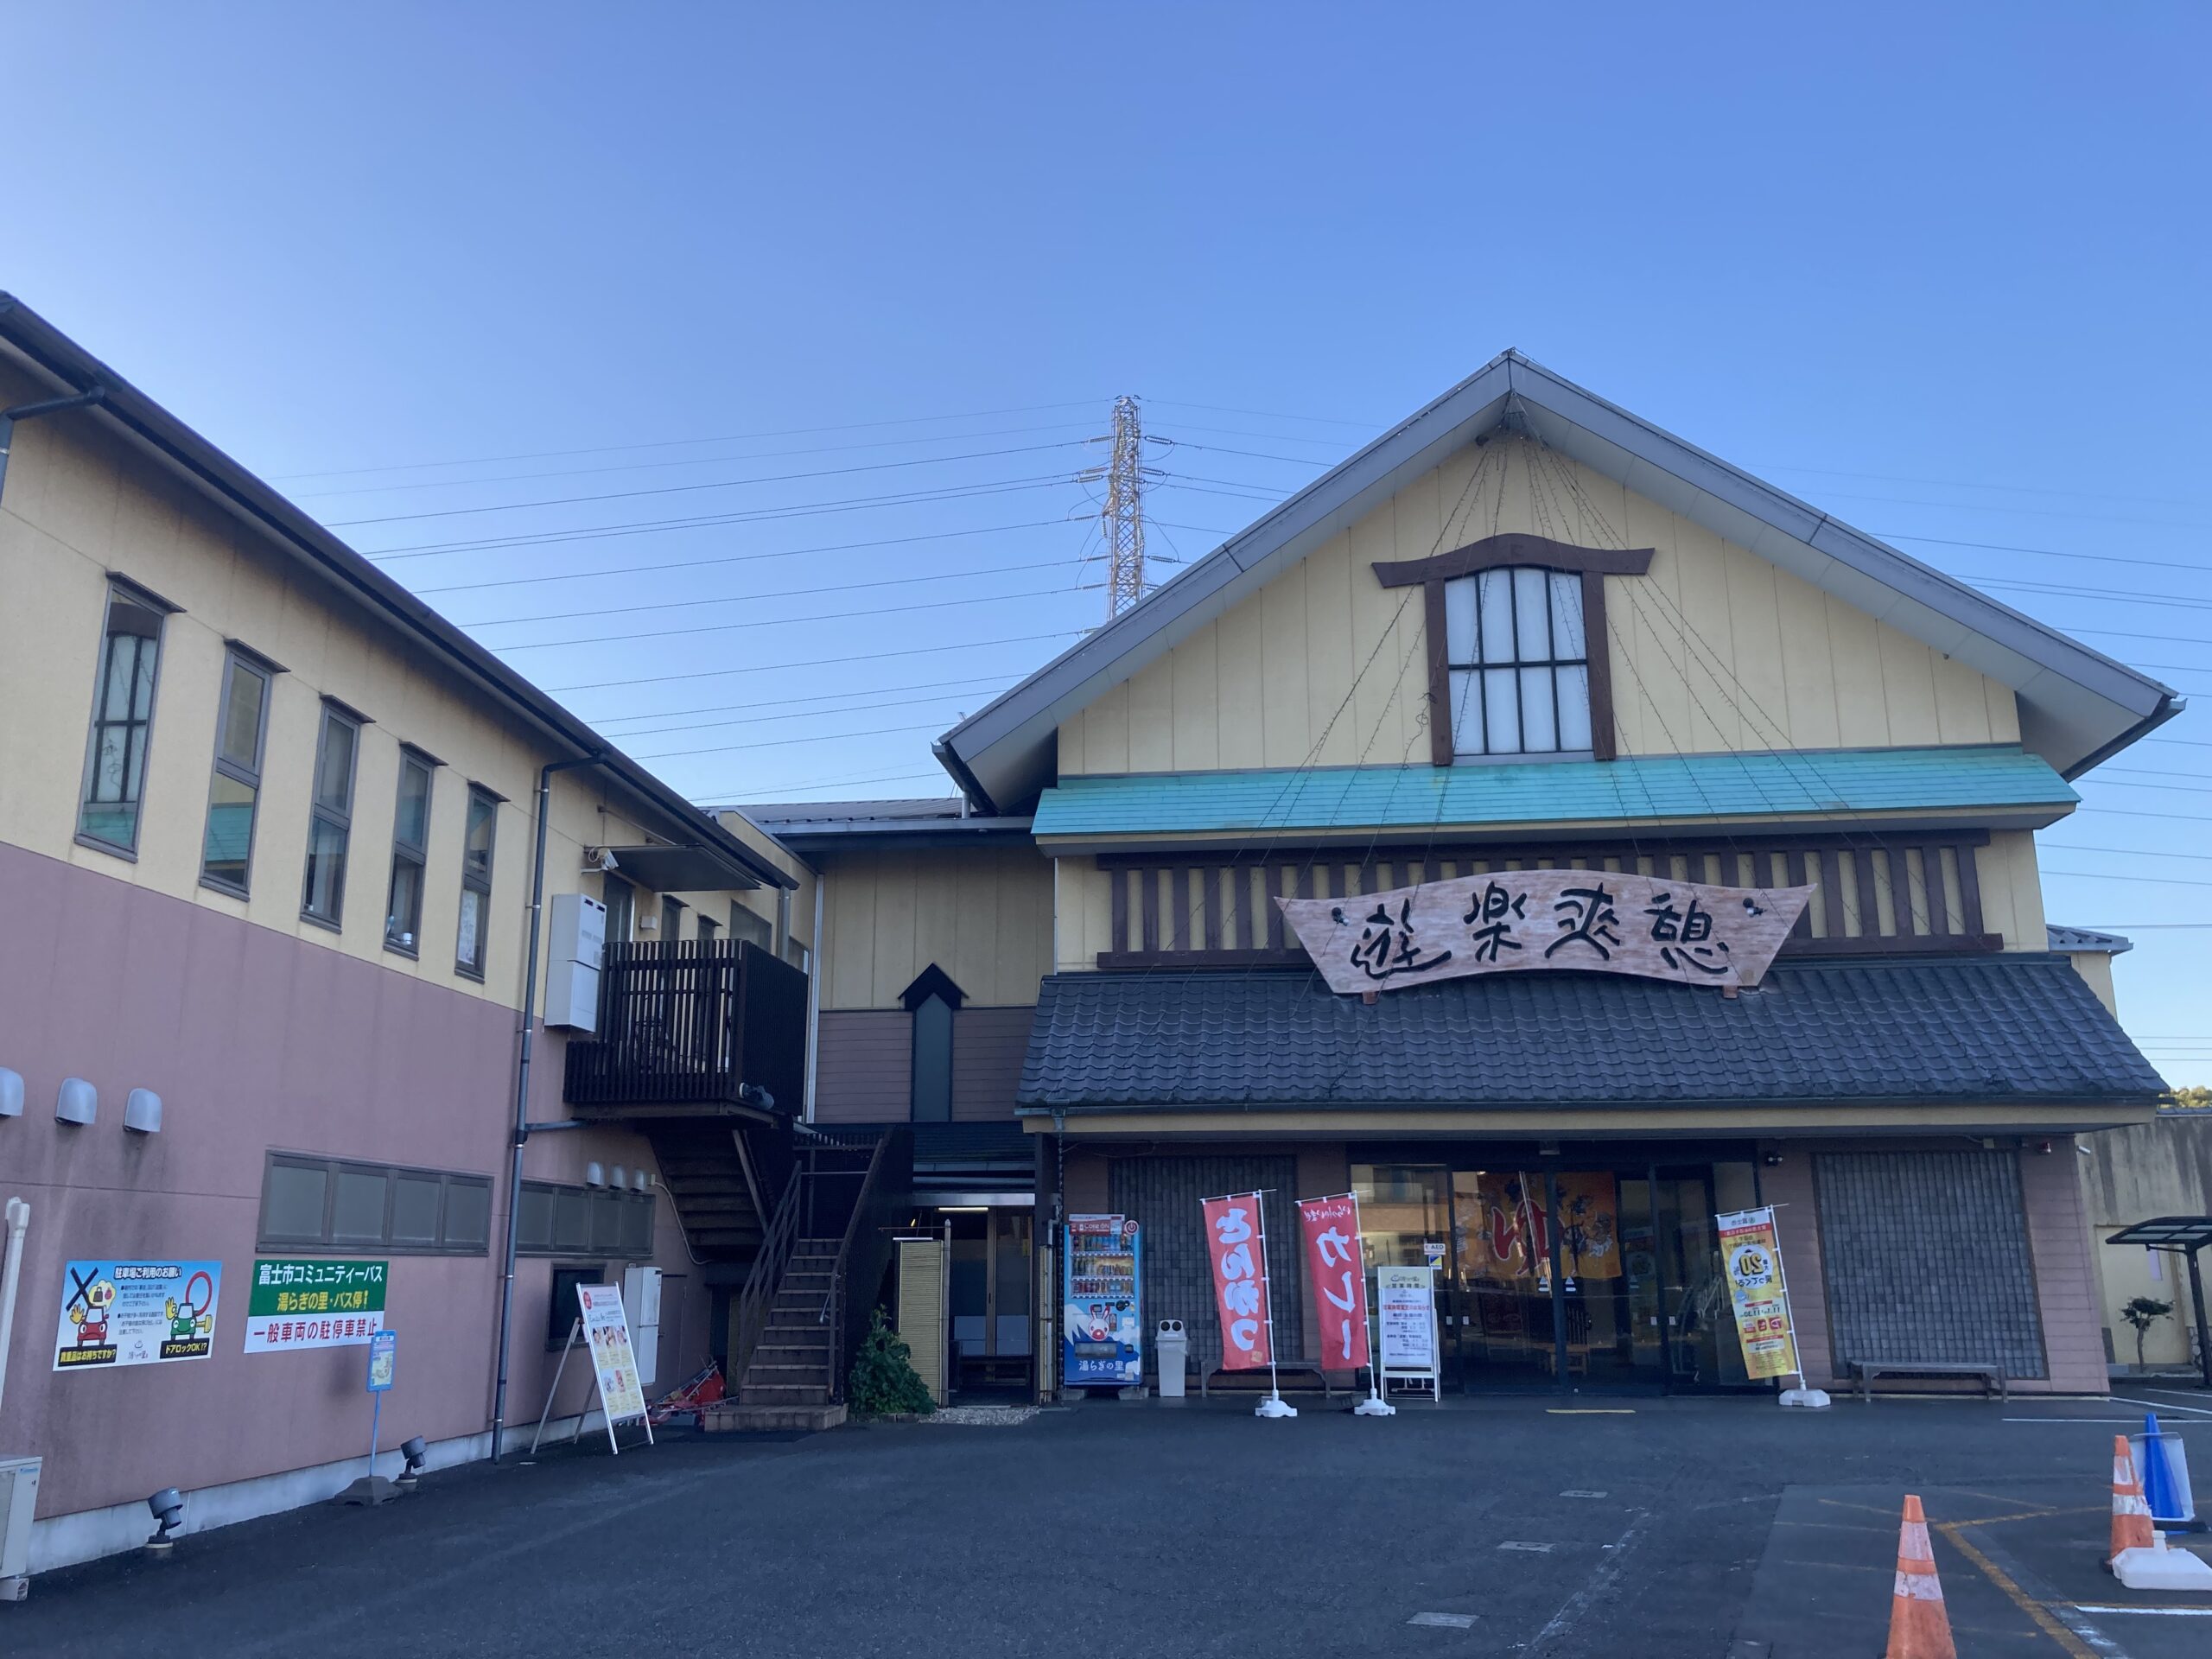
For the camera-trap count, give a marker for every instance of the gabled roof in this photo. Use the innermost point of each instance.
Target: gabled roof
(2085, 941)
(2077, 706)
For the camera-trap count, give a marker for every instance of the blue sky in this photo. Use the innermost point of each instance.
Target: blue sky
(1942, 270)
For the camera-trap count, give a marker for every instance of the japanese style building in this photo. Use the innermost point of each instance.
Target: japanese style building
(1523, 633)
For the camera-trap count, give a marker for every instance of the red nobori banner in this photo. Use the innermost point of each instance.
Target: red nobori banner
(1239, 1249)
(1339, 1271)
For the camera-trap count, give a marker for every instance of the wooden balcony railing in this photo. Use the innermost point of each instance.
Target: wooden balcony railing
(700, 1028)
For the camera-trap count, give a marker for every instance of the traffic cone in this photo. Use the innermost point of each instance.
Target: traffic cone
(2131, 1516)
(2160, 1494)
(1919, 1627)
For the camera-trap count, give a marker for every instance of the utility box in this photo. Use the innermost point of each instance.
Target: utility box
(18, 1498)
(576, 945)
(641, 1300)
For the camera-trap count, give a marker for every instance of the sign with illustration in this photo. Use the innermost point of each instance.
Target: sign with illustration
(1102, 1341)
(312, 1302)
(1237, 1240)
(384, 1360)
(135, 1313)
(1753, 1261)
(1338, 1272)
(607, 1333)
(1518, 921)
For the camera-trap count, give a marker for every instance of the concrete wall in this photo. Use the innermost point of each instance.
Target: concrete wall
(2160, 1168)
(1714, 649)
(256, 1041)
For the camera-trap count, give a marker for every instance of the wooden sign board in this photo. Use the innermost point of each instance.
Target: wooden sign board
(1527, 921)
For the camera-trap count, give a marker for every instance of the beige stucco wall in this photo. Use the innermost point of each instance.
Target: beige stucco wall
(2095, 966)
(76, 506)
(984, 915)
(1714, 649)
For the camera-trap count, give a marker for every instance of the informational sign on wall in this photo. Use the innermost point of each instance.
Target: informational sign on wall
(606, 1332)
(1753, 1261)
(311, 1302)
(135, 1313)
(1103, 1339)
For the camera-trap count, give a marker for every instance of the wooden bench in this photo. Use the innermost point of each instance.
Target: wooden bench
(1867, 1370)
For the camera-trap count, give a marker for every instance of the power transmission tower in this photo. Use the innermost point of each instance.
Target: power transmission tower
(1123, 517)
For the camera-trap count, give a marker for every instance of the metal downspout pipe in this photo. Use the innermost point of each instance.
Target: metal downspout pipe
(522, 1089)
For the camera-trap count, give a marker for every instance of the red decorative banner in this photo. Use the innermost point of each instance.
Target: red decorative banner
(1239, 1249)
(1338, 1273)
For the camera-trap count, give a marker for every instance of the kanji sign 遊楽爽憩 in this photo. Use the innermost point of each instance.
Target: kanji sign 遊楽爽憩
(1509, 921)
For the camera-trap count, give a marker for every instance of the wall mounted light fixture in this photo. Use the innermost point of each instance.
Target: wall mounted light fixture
(143, 1112)
(78, 1102)
(12, 1093)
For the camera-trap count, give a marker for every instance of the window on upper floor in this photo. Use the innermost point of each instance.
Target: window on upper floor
(410, 848)
(313, 1203)
(1518, 662)
(470, 939)
(708, 928)
(234, 795)
(751, 926)
(122, 722)
(330, 826)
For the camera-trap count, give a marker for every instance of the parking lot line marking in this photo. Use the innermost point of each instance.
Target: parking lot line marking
(1445, 1621)
(1595, 1586)
(2167, 1394)
(2081, 1419)
(1516, 1543)
(1589, 1411)
(1579, 1494)
(2050, 1626)
(2169, 1612)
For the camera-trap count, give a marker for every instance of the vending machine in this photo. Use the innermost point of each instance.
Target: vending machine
(1101, 1313)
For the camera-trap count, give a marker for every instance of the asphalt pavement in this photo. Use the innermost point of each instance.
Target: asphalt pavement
(1530, 1526)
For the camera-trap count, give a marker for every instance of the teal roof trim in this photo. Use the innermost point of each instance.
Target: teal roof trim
(1640, 787)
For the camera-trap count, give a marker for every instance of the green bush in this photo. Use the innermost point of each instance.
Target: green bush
(883, 1378)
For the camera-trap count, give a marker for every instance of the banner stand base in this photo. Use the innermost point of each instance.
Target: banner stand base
(1811, 1399)
(1274, 1406)
(1375, 1406)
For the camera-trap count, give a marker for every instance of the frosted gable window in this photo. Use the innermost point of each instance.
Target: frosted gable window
(1519, 663)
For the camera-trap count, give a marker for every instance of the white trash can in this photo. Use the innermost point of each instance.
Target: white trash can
(1174, 1348)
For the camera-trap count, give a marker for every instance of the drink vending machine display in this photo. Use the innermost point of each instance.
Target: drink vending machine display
(1101, 1344)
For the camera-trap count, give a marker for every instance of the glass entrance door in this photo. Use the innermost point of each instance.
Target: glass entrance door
(1698, 1324)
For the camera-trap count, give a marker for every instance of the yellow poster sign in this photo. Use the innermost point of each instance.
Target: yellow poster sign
(1753, 1261)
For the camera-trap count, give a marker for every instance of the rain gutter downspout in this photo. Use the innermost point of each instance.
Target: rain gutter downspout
(32, 411)
(523, 1124)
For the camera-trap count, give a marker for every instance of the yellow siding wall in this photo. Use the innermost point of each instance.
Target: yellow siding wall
(2096, 966)
(1714, 649)
(76, 506)
(984, 916)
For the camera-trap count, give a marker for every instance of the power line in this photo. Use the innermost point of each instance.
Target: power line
(1265, 415)
(816, 662)
(780, 593)
(811, 737)
(674, 443)
(721, 484)
(782, 621)
(743, 516)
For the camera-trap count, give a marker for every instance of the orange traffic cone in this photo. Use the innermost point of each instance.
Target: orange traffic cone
(2131, 1516)
(1919, 1628)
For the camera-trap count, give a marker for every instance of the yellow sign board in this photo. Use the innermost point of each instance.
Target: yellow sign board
(1761, 1299)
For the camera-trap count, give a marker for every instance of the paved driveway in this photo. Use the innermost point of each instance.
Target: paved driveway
(1644, 1527)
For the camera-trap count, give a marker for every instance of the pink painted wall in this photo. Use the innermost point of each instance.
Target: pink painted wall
(256, 1041)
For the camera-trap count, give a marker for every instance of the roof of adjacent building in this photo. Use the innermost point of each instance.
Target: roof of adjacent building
(2087, 940)
(2077, 705)
(1649, 788)
(816, 826)
(39, 349)
(2001, 1029)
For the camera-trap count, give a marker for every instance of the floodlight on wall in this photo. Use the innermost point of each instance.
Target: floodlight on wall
(143, 1112)
(167, 1506)
(416, 1451)
(80, 1102)
(594, 1176)
(639, 1181)
(12, 1093)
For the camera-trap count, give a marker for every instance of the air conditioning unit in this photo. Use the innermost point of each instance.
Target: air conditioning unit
(577, 942)
(18, 1498)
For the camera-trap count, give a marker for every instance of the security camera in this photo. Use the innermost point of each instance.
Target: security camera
(600, 859)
